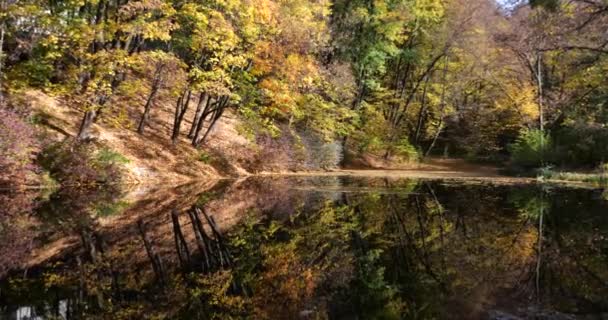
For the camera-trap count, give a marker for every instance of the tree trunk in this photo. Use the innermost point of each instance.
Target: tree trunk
(421, 112)
(440, 126)
(201, 121)
(439, 129)
(202, 99)
(541, 120)
(216, 114)
(180, 110)
(85, 125)
(2, 31)
(155, 86)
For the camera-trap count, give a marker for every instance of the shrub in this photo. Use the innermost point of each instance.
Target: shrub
(320, 153)
(531, 149)
(204, 157)
(406, 150)
(17, 144)
(581, 145)
(82, 164)
(108, 156)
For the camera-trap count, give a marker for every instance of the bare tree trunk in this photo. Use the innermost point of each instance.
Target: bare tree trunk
(202, 99)
(540, 109)
(421, 112)
(201, 121)
(156, 82)
(2, 31)
(440, 126)
(180, 110)
(216, 231)
(85, 125)
(439, 129)
(215, 116)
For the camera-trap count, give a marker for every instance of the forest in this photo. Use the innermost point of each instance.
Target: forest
(513, 83)
(303, 159)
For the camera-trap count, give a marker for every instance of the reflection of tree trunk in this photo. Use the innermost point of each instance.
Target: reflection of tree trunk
(402, 257)
(418, 255)
(540, 246)
(91, 246)
(82, 284)
(202, 239)
(421, 228)
(152, 255)
(441, 225)
(181, 246)
(461, 223)
(115, 285)
(218, 236)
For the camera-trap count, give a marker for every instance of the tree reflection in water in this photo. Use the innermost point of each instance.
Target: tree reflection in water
(285, 248)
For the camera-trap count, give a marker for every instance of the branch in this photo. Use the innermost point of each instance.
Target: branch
(600, 49)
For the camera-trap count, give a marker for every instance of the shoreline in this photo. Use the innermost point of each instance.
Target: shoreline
(461, 176)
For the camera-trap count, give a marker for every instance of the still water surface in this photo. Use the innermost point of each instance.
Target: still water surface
(308, 248)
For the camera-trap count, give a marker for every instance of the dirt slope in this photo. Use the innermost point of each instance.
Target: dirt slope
(152, 156)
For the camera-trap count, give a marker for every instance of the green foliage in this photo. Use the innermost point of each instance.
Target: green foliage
(406, 150)
(395, 77)
(108, 209)
(531, 149)
(596, 178)
(204, 157)
(107, 156)
(549, 4)
(531, 203)
(580, 145)
(82, 165)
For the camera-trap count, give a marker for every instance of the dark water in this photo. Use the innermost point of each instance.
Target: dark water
(307, 248)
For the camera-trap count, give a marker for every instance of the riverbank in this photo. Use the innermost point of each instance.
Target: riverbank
(152, 158)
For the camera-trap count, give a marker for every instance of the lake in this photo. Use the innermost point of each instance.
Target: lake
(334, 247)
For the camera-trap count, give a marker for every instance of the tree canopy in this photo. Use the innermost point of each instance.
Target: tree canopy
(394, 78)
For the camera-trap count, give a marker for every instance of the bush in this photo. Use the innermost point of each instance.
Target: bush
(17, 144)
(82, 164)
(107, 156)
(319, 153)
(581, 145)
(531, 149)
(204, 157)
(407, 151)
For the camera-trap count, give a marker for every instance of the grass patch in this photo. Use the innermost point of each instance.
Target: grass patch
(204, 157)
(106, 155)
(597, 178)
